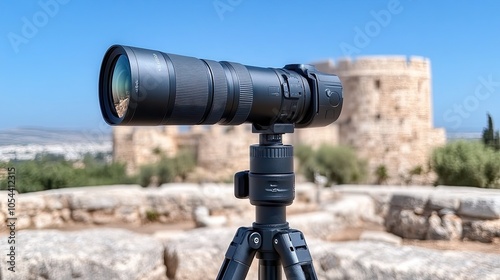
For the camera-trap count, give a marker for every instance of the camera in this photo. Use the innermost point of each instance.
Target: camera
(147, 87)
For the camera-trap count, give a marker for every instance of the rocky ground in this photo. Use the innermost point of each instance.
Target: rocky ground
(182, 232)
(345, 234)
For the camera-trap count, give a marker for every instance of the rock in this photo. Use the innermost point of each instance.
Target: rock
(483, 231)
(448, 227)
(23, 221)
(101, 217)
(90, 254)
(30, 204)
(81, 216)
(378, 260)
(128, 214)
(410, 200)
(442, 200)
(203, 219)
(43, 220)
(436, 231)
(354, 209)
(406, 224)
(453, 226)
(380, 236)
(92, 201)
(56, 201)
(487, 207)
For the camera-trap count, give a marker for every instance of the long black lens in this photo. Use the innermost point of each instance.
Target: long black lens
(147, 87)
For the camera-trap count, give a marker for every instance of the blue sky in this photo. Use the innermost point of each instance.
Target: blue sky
(51, 50)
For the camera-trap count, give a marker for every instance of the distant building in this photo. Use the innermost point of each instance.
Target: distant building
(387, 113)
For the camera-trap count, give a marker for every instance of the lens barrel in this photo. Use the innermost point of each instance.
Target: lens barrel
(147, 87)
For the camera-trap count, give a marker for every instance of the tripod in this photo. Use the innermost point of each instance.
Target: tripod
(270, 186)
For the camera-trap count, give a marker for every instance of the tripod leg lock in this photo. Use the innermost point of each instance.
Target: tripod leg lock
(240, 254)
(294, 254)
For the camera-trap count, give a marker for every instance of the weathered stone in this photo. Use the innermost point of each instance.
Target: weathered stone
(453, 226)
(81, 216)
(487, 207)
(91, 201)
(410, 200)
(441, 200)
(128, 214)
(483, 231)
(203, 219)
(103, 217)
(89, 254)
(23, 221)
(448, 227)
(65, 214)
(406, 223)
(378, 260)
(43, 220)
(436, 231)
(30, 204)
(354, 209)
(55, 201)
(380, 236)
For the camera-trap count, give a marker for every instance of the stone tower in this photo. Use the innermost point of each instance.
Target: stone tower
(387, 113)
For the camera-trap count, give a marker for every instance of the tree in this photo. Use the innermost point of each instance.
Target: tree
(490, 137)
(466, 164)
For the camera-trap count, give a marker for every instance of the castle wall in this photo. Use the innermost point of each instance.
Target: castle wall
(387, 113)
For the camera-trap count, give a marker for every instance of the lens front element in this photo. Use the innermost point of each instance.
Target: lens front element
(121, 85)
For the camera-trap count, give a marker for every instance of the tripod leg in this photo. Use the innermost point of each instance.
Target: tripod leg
(295, 256)
(269, 269)
(239, 255)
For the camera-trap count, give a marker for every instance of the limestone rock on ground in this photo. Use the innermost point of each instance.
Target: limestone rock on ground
(89, 254)
(380, 236)
(371, 260)
(484, 206)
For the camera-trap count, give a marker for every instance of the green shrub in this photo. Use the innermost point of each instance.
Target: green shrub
(339, 164)
(466, 164)
(152, 215)
(52, 172)
(168, 169)
(381, 174)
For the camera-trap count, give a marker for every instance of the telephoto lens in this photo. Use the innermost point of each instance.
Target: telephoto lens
(147, 87)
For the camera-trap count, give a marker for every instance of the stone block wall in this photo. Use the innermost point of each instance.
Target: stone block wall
(436, 213)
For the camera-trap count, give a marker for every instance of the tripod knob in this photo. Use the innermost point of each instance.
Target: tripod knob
(241, 184)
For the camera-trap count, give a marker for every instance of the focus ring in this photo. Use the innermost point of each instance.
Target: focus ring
(245, 96)
(219, 92)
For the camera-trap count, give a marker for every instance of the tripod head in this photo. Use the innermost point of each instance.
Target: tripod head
(270, 182)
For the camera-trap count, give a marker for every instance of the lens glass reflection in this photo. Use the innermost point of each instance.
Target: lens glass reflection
(121, 85)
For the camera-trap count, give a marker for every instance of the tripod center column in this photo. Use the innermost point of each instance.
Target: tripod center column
(271, 179)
